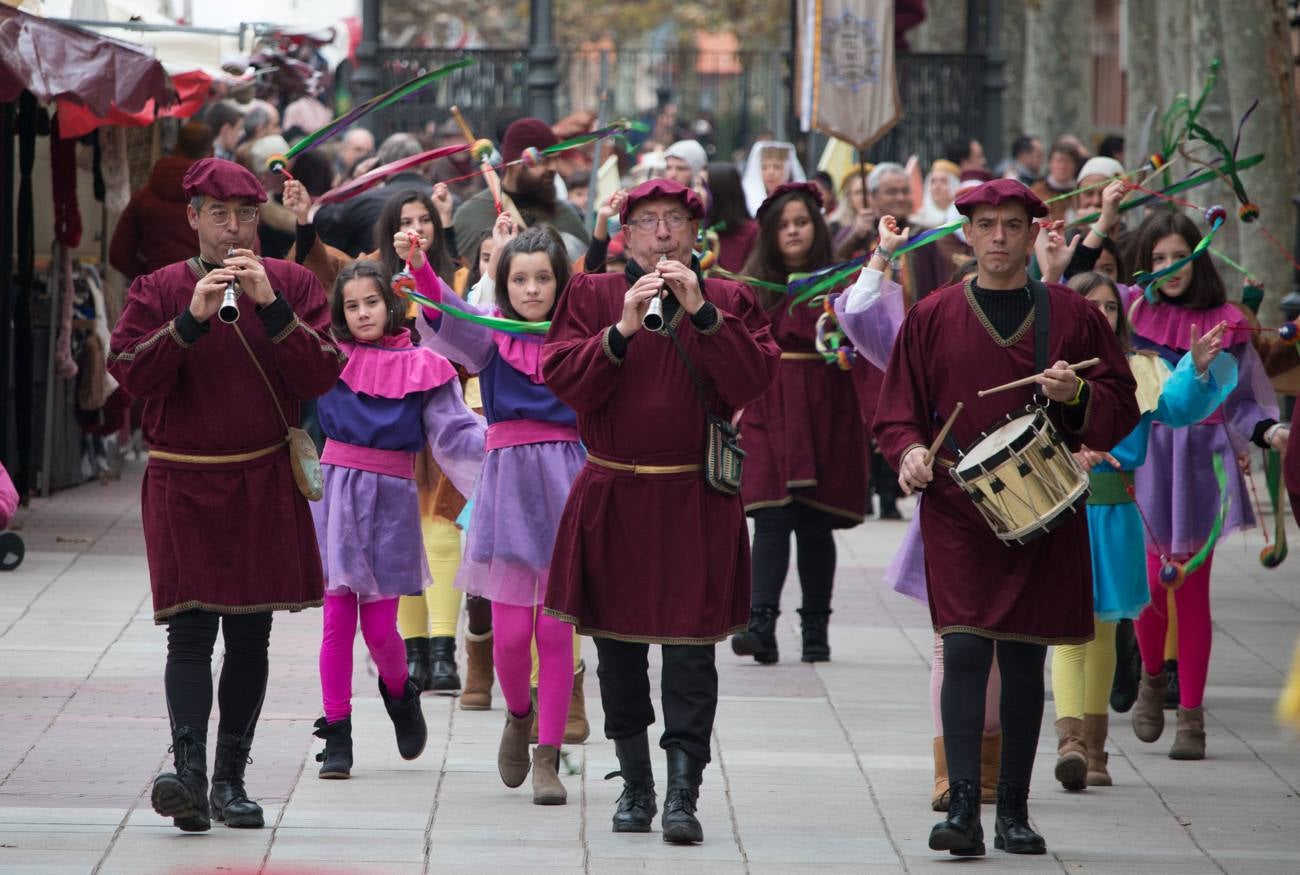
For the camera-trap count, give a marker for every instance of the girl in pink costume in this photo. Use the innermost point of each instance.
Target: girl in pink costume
(391, 399)
(1177, 488)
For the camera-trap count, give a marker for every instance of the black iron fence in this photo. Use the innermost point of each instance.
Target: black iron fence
(739, 95)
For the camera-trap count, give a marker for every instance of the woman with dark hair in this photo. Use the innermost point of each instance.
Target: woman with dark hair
(1174, 394)
(806, 469)
(411, 210)
(1175, 486)
(729, 217)
(533, 457)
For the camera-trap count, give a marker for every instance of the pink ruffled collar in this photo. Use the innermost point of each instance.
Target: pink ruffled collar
(1171, 326)
(523, 352)
(393, 367)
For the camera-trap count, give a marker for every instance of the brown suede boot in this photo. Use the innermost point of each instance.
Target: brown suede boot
(476, 695)
(577, 729)
(990, 766)
(1095, 728)
(939, 799)
(1071, 755)
(512, 755)
(1189, 743)
(547, 789)
(1149, 711)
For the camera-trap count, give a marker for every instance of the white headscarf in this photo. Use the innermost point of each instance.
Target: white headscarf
(752, 181)
(930, 216)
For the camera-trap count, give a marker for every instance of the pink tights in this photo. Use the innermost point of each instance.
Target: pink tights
(513, 630)
(992, 693)
(1192, 602)
(379, 628)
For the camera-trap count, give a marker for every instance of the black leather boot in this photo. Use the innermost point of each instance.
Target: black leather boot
(408, 720)
(961, 834)
(444, 678)
(1171, 692)
(1012, 831)
(759, 640)
(336, 758)
(183, 795)
(636, 806)
(230, 802)
(816, 640)
(1128, 668)
(685, 775)
(418, 662)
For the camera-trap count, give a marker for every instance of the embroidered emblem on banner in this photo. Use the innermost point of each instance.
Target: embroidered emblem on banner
(851, 51)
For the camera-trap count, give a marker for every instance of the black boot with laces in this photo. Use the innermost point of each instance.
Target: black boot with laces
(183, 795)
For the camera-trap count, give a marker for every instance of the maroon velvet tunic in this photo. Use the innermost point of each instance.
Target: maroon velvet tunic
(662, 558)
(805, 438)
(229, 537)
(946, 351)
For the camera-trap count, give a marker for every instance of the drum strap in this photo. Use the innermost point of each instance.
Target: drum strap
(1042, 320)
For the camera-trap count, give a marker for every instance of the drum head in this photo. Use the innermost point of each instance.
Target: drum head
(1000, 439)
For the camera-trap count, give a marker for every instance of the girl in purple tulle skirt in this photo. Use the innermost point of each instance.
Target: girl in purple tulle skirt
(533, 456)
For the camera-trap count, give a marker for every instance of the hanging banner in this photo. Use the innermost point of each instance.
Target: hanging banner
(847, 86)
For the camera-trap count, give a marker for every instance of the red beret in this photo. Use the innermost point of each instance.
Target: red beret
(785, 188)
(223, 180)
(662, 188)
(1000, 191)
(523, 134)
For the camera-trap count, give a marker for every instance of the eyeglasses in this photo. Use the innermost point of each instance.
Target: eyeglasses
(650, 224)
(221, 215)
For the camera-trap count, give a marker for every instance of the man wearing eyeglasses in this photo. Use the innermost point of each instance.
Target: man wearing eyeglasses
(647, 551)
(229, 537)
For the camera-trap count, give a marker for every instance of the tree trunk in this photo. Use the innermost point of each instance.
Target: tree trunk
(1257, 58)
(1145, 102)
(1058, 69)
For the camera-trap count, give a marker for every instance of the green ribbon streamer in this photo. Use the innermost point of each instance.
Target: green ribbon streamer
(1202, 554)
(388, 98)
(1178, 187)
(496, 323)
(747, 280)
(1272, 556)
(834, 279)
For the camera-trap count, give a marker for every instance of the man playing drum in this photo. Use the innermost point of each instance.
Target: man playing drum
(986, 593)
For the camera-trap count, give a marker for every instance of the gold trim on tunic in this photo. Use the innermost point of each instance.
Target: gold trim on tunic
(163, 456)
(642, 469)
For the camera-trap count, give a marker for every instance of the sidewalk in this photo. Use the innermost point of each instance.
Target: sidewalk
(825, 769)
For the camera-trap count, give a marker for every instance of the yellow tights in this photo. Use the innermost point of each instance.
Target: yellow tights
(1082, 674)
(435, 613)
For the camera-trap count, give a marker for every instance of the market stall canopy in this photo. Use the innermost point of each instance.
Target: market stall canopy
(55, 60)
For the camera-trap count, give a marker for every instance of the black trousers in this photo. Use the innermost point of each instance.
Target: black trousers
(967, 659)
(884, 480)
(689, 686)
(770, 559)
(188, 679)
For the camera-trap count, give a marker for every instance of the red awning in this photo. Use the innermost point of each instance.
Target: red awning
(192, 89)
(54, 60)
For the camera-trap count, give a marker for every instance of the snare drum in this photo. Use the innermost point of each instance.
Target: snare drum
(1023, 478)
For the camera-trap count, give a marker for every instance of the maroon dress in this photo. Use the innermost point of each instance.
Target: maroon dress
(805, 438)
(658, 557)
(946, 351)
(237, 536)
(734, 246)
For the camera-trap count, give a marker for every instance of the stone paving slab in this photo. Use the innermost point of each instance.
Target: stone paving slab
(820, 769)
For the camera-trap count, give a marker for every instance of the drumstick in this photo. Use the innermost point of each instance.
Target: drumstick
(943, 433)
(1025, 381)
